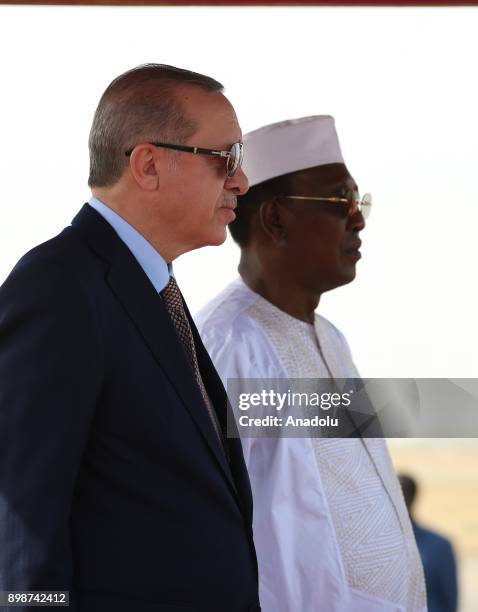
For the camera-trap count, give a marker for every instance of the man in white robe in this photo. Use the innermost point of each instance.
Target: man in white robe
(331, 529)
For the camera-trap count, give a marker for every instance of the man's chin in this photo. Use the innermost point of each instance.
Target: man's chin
(213, 238)
(346, 277)
(218, 237)
(349, 275)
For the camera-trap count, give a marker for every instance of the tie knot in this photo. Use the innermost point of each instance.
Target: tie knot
(171, 294)
(174, 305)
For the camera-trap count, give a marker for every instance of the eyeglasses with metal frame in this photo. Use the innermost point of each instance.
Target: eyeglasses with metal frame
(355, 202)
(233, 157)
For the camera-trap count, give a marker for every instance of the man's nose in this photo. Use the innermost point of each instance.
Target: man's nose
(356, 222)
(238, 183)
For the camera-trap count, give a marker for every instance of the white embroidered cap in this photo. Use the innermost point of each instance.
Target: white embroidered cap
(288, 146)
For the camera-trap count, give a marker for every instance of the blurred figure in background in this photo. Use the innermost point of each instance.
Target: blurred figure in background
(437, 556)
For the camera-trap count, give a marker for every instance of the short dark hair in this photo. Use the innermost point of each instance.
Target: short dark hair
(139, 105)
(249, 203)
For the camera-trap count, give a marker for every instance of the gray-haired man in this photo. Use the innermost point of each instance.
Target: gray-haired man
(117, 481)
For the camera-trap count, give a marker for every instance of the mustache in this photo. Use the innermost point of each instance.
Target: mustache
(229, 201)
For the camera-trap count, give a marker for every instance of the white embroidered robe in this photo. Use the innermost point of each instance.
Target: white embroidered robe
(331, 529)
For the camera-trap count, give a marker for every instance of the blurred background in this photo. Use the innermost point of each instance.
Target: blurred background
(401, 84)
(447, 500)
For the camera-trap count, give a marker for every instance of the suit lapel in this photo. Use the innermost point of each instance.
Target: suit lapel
(139, 299)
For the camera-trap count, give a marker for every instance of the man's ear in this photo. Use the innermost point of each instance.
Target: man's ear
(144, 166)
(272, 220)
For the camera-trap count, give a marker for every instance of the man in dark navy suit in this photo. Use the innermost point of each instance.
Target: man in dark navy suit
(437, 555)
(117, 481)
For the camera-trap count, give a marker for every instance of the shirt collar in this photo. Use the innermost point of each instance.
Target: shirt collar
(153, 264)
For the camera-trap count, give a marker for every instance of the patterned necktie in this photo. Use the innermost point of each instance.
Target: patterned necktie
(174, 305)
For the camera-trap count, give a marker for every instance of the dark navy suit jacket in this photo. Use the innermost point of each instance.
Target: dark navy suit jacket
(440, 570)
(113, 484)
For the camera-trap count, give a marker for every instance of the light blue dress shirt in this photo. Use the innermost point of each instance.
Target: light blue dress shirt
(154, 266)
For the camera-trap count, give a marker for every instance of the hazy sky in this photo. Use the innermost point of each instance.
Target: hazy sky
(401, 84)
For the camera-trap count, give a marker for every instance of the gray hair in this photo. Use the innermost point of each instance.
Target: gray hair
(139, 106)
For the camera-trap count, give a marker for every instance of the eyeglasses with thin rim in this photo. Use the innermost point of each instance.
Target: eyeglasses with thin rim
(354, 202)
(233, 157)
